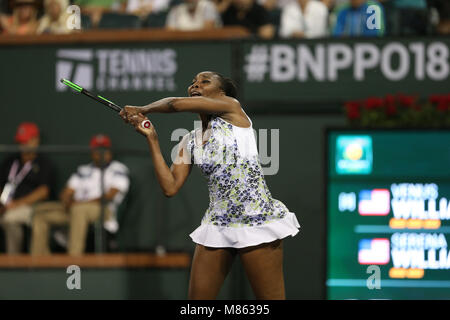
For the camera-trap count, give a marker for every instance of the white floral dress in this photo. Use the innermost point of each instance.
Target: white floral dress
(241, 211)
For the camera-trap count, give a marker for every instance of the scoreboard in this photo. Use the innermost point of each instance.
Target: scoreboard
(388, 214)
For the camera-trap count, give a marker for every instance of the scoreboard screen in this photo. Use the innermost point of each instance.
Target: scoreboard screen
(388, 214)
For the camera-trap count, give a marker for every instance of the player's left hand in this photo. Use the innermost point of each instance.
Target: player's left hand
(138, 120)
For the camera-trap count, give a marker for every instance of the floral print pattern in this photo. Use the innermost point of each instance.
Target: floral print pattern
(238, 192)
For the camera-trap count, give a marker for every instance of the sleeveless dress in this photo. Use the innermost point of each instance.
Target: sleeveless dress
(241, 211)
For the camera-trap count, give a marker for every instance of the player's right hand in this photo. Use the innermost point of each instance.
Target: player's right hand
(128, 112)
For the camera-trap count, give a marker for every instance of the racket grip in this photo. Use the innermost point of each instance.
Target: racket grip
(146, 124)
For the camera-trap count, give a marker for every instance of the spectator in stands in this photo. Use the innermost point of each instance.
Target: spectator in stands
(249, 14)
(443, 9)
(193, 15)
(270, 5)
(95, 8)
(142, 8)
(25, 179)
(23, 20)
(353, 20)
(331, 4)
(55, 19)
(406, 17)
(304, 19)
(80, 202)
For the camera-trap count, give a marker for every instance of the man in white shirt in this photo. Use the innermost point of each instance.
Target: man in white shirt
(80, 202)
(145, 7)
(304, 19)
(193, 15)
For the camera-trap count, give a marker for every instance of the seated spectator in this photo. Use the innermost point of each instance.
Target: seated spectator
(406, 17)
(24, 180)
(55, 19)
(331, 4)
(249, 14)
(95, 8)
(304, 19)
(193, 15)
(271, 5)
(352, 19)
(443, 9)
(142, 8)
(23, 20)
(80, 203)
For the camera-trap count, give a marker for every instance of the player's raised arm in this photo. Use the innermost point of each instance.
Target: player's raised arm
(207, 94)
(170, 179)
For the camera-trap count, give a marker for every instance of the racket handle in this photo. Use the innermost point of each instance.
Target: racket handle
(146, 124)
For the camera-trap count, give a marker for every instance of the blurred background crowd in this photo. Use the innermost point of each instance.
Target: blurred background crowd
(265, 19)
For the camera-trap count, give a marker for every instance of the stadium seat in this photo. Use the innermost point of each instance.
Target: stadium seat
(275, 19)
(155, 20)
(119, 21)
(86, 22)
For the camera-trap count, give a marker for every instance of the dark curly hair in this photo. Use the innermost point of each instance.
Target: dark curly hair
(227, 85)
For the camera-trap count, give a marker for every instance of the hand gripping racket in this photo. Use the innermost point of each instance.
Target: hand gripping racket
(145, 124)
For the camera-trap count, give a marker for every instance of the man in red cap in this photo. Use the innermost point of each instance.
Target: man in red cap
(80, 203)
(25, 179)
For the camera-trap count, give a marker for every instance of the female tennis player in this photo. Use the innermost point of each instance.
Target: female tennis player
(242, 218)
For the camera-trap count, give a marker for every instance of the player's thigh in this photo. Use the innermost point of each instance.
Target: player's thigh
(209, 269)
(263, 265)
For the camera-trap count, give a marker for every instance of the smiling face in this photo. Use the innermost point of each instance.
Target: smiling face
(205, 84)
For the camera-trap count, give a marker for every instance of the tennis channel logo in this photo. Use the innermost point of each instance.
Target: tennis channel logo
(354, 154)
(117, 69)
